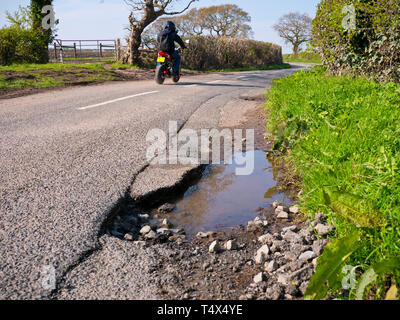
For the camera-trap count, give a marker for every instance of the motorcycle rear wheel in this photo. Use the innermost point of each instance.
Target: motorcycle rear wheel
(176, 78)
(160, 76)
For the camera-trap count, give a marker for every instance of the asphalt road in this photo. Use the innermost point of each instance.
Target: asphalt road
(67, 156)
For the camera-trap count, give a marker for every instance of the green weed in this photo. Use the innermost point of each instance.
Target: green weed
(344, 139)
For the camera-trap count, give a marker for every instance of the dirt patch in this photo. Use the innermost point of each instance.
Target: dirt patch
(227, 275)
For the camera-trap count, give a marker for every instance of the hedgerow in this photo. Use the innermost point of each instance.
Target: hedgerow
(209, 53)
(18, 45)
(372, 48)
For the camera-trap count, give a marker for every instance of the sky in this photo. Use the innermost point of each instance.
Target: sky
(107, 19)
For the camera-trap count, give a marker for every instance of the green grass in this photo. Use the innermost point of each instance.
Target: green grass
(343, 134)
(102, 59)
(306, 58)
(270, 67)
(59, 67)
(122, 66)
(51, 75)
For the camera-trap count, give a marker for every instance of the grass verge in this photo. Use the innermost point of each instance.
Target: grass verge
(341, 136)
(270, 67)
(303, 57)
(51, 75)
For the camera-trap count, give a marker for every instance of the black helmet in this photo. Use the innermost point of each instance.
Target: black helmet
(170, 25)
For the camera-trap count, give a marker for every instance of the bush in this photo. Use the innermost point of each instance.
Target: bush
(19, 45)
(343, 133)
(209, 53)
(373, 48)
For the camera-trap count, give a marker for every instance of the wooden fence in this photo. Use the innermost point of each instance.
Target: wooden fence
(81, 51)
(84, 51)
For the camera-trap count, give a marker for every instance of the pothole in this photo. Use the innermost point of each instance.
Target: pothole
(220, 200)
(223, 200)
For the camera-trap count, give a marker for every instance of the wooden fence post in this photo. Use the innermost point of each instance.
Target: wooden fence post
(55, 51)
(118, 49)
(75, 50)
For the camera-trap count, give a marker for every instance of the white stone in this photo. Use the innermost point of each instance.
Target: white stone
(270, 266)
(291, 228)
(279, 209)
(128, 237)
(203, 235)
(166, 223)
(291, 236)
(308, 255)
(231, 245)
(261, 254)
(283, 279)
(275, 204)
(145, 230)
(294, 209)
(259, 278)
(151, 235)
(266, 239)
(283, 215)
(214, 247)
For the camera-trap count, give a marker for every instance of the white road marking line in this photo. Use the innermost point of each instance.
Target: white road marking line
(192, 85)
(116, 100)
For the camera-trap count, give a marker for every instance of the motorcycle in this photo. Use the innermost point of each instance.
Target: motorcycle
(164, 68)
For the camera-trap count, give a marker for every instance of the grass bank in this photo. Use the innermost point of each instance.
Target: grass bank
(52, 75)
(341, 137)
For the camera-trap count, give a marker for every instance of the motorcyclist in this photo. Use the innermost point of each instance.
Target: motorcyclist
(166, 40)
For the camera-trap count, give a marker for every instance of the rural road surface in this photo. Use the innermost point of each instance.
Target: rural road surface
(68, 156)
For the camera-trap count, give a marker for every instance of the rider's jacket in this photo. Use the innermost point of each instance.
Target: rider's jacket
(166, 40)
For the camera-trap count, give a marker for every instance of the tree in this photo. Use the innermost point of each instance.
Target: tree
(187, 25)
(22, 18)
(226, 21)
(46, 35)
(30, 18)
(191, 23)
(147, 12)
(294, 28)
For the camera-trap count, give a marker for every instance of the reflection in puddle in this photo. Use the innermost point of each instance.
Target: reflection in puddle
(222, 199)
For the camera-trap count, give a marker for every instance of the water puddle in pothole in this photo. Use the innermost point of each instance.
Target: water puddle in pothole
(222, 199)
